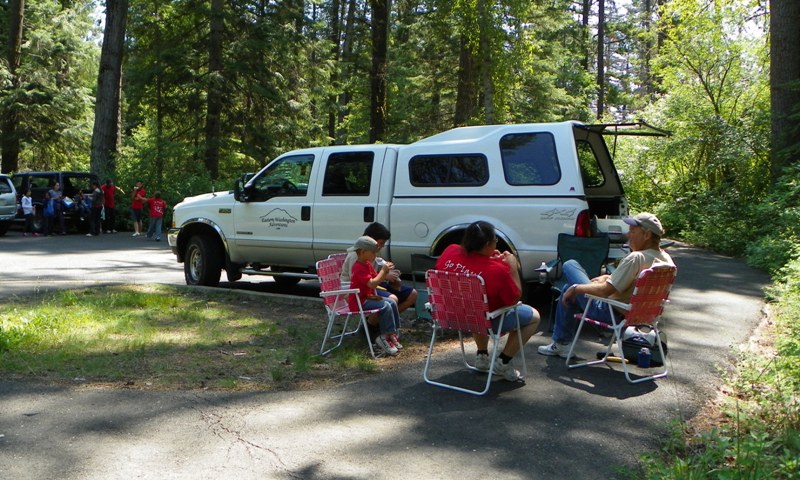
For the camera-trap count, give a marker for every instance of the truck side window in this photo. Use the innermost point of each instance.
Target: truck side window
(287, 177)
(590, 167)
(348, 174)
(457, 170)
(530, 159)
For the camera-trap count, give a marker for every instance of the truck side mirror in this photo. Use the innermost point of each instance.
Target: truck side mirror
(240, 193)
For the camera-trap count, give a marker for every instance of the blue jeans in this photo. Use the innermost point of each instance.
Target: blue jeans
(510, 320)
(564, 328)
(154, 229)
(388, 315)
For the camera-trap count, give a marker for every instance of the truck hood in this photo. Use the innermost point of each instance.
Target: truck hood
(218, 198)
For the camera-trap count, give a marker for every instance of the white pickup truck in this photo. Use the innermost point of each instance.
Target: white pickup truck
(532, 181)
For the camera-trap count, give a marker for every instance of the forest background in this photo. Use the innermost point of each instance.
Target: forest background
(187, 95)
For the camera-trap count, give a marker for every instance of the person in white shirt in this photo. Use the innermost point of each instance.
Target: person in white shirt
(28, 212)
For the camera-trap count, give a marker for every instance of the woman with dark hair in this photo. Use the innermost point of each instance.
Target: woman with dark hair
(478, 255)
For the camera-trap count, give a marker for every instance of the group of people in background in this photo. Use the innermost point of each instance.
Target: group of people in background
(98, 206)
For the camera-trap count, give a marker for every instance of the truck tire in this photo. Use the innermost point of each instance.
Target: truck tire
(202, 263)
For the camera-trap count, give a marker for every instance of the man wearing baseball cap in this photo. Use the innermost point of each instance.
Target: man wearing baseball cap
(644, 237)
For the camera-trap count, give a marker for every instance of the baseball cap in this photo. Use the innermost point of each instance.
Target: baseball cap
(364, 243)
(647, 221)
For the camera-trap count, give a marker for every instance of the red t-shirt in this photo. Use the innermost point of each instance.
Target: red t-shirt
(137, 204)
(501, 289)
(108, 192)
(361, 273)
(157, 207)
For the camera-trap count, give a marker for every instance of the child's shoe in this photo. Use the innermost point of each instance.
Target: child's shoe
(395, 341)
(383, 342)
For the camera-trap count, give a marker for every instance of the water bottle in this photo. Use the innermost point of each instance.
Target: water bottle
(644, 358)
(543, 273)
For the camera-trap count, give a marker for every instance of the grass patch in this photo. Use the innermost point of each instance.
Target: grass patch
(165, 337)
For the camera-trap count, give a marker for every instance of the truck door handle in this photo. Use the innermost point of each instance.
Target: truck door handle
(305, 213)
(369, 214)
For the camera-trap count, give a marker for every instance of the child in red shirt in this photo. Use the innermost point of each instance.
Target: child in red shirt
(157, 208)
(366, 280)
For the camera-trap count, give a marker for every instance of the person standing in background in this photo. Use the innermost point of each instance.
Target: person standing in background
(109, 190)
(139, 196)
(27, 212)
(95, 220)
(157, 207)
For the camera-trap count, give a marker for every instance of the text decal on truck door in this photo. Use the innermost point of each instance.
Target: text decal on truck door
(278, 218)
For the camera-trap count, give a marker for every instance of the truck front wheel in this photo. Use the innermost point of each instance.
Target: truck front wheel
(202, 264)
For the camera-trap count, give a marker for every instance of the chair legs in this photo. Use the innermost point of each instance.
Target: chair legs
(495, 340)
(617, 328)
(493, 358)
(362, 325)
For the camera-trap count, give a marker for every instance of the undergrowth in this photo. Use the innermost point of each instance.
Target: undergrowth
(757, 434)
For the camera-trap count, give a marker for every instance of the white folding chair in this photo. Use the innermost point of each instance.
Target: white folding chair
(458, 302)
(645, 307)
(337, 307)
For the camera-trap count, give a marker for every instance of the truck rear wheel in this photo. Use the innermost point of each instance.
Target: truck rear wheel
(202, 264)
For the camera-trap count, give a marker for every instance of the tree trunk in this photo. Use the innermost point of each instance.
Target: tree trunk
(487, 86)
(601, 73)
(586, 9)
(335, 34)
(378, 73)
(106, 133)
(10, 140)
(784, 83)
(467, 91)
(214, 94)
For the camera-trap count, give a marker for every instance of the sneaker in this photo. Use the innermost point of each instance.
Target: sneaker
(482, 362)
(158, 240)
(88, 234)
(113, 231)
(35, 234)
(135, 234)
(505, 370)
(554, 350)
(395, 341)
(385, 345)
(24, 234)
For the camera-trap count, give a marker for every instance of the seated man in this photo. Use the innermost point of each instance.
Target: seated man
(644, 238)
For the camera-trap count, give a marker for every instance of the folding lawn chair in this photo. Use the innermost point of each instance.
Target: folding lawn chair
(336, 305)
(458, 302)
(645, 307)
(590, 252)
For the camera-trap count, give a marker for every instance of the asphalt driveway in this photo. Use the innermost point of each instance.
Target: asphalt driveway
(582, 423)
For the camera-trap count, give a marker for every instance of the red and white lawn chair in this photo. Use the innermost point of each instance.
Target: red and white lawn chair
(336, 305)
(645, 307)
(458, 302)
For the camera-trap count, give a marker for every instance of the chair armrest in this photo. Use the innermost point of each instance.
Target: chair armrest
(330, 293)
(616, 303)
(503, 310)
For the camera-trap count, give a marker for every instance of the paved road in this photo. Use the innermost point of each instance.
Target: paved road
(559, 424)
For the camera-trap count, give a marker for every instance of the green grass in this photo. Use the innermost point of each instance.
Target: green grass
(169, 337)
(755, 432)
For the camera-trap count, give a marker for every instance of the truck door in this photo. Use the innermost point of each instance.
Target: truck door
(348, 199)
(273, 225)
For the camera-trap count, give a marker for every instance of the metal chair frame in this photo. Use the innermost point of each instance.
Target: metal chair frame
(458, 302)
(650, 294)
(335, 298)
